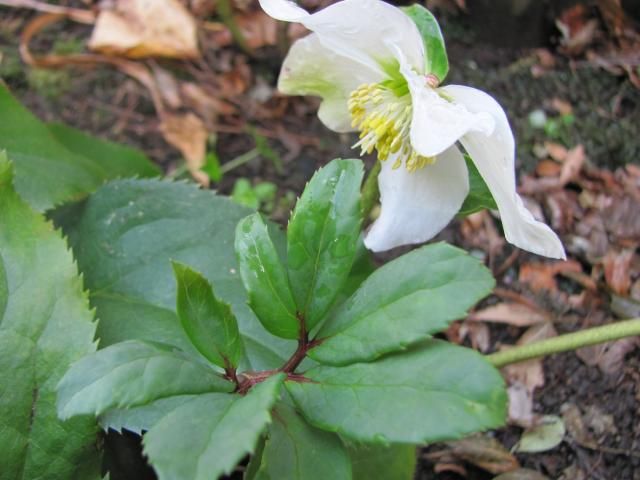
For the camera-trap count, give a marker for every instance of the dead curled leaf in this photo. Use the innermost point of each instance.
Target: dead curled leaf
(608, 357)
(542, 276)
(617, 270)
(522, 474)
(516, 314)
(146, 28)
(188, 134)
(484, 452)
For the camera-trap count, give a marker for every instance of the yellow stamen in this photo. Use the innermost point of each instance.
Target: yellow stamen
(384, 121)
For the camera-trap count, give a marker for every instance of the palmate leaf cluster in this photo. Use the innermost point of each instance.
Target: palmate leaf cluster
(327, 373)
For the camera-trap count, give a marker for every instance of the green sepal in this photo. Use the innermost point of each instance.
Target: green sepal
(479, 197)
(208, 322)
(436, 60)
(265, 278)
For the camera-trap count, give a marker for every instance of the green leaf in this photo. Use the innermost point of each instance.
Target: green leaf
(392, 462)
(433, 392)
(294, 450)
(46, 172)
(265, 278)
(207, 436)
(403, 302)
(212, 167)
(45, 325)
(244, 194)
(436, 61)
(209, 323)
(119, 160)
(479, 197)
(323, 236)
(124, 238)
(133, 373)
(142, 418)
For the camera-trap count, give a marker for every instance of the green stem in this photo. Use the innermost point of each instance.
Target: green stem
(564, 343)
(370, 192)
(226, 14)
(246, 157)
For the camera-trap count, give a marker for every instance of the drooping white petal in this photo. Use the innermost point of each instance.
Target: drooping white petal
(494, 156)
(310, 68)
(284, 10)
(417, 205)
(367, 31)
(438, 123)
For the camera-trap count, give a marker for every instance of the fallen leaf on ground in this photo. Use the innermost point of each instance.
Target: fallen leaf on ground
(617, 270)
(541, 276)
(608, 357)
(575, 426)
(484, 452)
(478, 333)
(546, 435)
(520, 405)
(145, 28)
(556, 151)
(515, 314)
(522, 474)
(188, 134)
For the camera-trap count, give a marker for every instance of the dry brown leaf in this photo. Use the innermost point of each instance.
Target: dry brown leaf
(617, 270)
(522, 474)
(146, 28)
(608, 357)
(167, 86)
(531, 372)
(621, 216)
(541, 276)
(561, 106)
(548, 168)
(572, 164)
(515, 314)
(520, 406)
(556, 151)
(484, 452)
(188, 134)
(478, 333)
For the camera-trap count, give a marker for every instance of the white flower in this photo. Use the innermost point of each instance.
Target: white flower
(365, 59)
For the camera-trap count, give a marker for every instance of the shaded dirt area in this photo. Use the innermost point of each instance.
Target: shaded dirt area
(579, 103)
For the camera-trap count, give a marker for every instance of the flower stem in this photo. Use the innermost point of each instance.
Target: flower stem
(224, 10)
(370, 191)
(564, 343)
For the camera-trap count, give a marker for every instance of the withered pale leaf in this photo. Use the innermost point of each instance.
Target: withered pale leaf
(188, 134)
(146, 28)
(515, 314)
(484, 452)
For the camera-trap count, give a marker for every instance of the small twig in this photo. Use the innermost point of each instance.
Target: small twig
(566, 342)
(76, 14)
(239, 160)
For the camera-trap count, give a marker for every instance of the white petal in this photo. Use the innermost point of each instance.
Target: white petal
(367, 31)
(494, 156)
(416, 206)
(284, 10)
(312, 69)
(438, 123)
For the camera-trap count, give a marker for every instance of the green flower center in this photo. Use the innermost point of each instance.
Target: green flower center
(382, 113)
